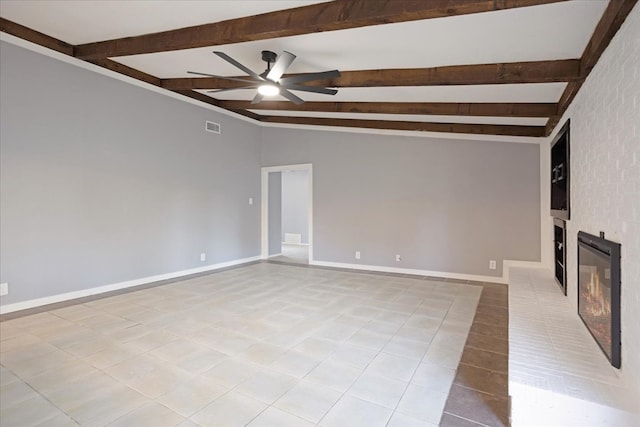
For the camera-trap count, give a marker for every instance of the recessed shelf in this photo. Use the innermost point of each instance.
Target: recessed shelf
(559, 243)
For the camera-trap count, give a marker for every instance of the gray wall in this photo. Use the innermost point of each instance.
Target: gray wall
(295, 204)
(275, 213)
(443, 205)
(103, 182)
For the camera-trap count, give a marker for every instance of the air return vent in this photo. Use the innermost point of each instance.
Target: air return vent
(213, 127)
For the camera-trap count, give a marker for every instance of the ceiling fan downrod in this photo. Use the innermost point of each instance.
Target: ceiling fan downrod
(269, 57)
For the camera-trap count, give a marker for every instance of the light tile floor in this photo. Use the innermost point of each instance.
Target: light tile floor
(260, 345)
(292, 253)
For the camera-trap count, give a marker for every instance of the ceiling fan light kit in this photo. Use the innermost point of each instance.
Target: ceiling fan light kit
(268, 90)
(270, 83)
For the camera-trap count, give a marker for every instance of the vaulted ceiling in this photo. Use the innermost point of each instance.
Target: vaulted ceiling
(494, 67)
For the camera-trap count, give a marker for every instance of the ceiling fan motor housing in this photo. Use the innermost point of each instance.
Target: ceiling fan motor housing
(269, 56)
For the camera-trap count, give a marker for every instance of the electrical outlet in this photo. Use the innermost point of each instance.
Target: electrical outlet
(492, 264)
(203, 256)
(4, 288)
(357, 254)
(398, 258)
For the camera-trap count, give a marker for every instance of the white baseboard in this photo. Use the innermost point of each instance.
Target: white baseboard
(506, 265)
(295, 244)
(274, 255)
(384, 269)
(23, 305)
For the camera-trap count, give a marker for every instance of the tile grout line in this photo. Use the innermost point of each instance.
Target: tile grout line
(101, 310)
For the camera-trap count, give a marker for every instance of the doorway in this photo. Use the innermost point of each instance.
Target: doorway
(287, 207)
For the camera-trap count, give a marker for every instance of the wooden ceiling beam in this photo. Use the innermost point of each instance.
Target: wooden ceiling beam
(33, 36)
(477, 74)
(421, 108)
(328, 16)
(211, 101)
(198, 96)
(127, 71)
(609, 24)
(49, 42)
(565, 99)
(565, 70)
(480, 129)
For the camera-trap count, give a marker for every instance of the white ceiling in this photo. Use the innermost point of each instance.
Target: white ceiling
(547, 32)
(87, 21)
(524, 34)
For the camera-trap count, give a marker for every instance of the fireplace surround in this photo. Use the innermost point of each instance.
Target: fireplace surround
(599, 292)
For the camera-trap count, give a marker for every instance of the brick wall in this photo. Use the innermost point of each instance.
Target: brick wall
(605, 175)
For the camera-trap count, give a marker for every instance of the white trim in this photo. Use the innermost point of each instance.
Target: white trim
(384, 269)
(265, 204)
(274, 255)
(264, 214)
(546, 221)
(506, 265)
(415, 134)
(310, 207)
(97, 69)
(419, 134)
(294, 244)
(23, 305)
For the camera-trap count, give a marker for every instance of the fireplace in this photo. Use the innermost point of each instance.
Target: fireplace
(599, 291)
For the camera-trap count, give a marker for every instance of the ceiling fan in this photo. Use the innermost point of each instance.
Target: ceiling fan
(270, 82)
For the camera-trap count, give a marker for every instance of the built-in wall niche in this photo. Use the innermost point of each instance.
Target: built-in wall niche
(560, 174)
(560, 253)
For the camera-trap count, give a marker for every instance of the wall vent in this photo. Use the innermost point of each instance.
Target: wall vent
(212, 127)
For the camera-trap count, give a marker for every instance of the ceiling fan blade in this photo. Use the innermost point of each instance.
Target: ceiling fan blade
(236, 64)
(222, 77)
(257, 98)
(282, 63)
(291, 97)
(313, 89)
(310, 76)
(230, 88)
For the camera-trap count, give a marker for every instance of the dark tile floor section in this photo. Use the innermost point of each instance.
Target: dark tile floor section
(479, 395)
